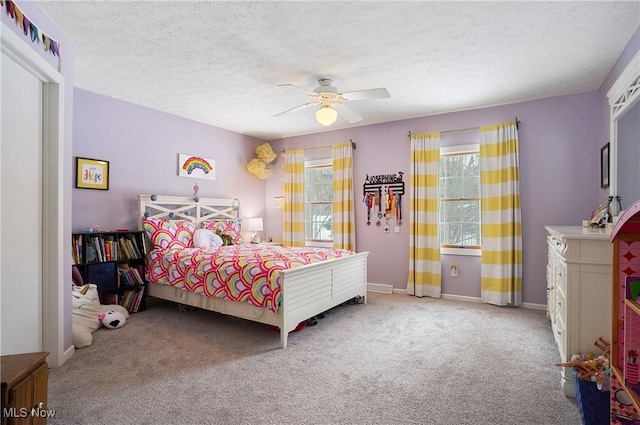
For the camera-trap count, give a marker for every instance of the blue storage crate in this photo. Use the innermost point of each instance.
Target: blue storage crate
(593, 403)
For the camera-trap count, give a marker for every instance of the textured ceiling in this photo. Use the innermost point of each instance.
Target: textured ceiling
(221, 62)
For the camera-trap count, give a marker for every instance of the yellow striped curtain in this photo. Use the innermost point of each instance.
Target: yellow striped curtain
(293, 226)
(344, 219)
(501, 261)
(424, 242)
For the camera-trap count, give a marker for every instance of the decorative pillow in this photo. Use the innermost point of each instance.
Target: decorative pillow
(226, 227)
(203, 238)
(169, 234)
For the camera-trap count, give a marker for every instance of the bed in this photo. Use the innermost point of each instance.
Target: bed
(290, 286)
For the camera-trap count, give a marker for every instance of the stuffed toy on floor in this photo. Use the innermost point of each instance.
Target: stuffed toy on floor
(112, 319)
(86, 309)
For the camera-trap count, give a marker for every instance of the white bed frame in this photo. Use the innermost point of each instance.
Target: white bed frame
(306, 291)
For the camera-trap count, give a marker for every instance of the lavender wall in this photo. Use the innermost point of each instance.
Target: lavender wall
(559, 181)
(65, 67)
(142, 147)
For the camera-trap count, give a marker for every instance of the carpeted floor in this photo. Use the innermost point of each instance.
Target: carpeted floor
(396, 360)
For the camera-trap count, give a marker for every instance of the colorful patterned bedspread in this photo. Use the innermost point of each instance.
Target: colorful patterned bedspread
(244, 272)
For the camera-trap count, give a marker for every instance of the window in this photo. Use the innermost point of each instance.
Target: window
(318, 209)
(459, 193)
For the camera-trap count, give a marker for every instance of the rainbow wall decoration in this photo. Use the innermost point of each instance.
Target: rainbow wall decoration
(196, 167)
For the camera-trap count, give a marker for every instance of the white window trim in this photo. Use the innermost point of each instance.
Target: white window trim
(461, 251)
(325, 162)
(460, 150)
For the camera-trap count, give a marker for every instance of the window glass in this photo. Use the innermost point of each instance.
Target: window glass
(318, 211)
(459, 192)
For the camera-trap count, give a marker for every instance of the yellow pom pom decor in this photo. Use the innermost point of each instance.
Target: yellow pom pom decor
(258, 166)
(265, 153)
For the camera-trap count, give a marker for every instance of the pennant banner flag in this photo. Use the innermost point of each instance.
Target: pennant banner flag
(29, 28)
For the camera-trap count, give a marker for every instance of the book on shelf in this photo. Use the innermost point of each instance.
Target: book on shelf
(129, 275)
(110, 248)
(124, 277)
(91, 253)
(132, 247)
(76, 249)
(138, 299)
(98, 247)
(124, 249)
(131, 300)
(136, 274)
(134, 243)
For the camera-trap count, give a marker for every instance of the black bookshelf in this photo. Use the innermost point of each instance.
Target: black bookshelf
(114, 262)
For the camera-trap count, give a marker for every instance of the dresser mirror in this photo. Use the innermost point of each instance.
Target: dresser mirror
(624, 102)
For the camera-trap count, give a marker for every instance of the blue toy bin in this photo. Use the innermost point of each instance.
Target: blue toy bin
(593, 403)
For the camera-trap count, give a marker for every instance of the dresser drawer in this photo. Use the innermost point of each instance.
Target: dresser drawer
(561, 276)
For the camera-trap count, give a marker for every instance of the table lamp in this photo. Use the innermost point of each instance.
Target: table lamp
(255, 226)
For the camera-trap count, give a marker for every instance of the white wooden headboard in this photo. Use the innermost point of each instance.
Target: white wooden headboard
(194, 209)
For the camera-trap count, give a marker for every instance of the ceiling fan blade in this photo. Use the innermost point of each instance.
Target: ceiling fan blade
(309, 92)
(297, 108)
(379, 93)
(347, 113)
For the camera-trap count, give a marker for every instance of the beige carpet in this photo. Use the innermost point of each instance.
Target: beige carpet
(396, 360)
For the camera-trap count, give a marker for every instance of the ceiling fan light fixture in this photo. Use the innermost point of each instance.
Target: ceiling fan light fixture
(326, 115)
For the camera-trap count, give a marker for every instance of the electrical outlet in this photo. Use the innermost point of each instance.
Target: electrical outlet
(454, 270)
(278, 202)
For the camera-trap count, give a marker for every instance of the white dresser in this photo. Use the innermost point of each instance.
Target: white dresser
(578, 291)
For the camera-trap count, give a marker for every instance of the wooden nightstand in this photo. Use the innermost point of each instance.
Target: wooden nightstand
(24, 388)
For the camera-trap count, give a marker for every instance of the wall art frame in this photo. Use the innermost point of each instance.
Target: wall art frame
(92, 173)
(604, 166)
(196, 167)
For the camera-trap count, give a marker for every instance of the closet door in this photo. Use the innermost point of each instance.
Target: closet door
(20, 209)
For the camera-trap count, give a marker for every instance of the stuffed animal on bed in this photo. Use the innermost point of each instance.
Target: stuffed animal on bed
(86, 308)
(226, 239)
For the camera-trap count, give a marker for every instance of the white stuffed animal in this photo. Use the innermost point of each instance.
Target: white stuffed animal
(86, 308)
(112, 319)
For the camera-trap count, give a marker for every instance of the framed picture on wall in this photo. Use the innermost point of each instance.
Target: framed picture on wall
(92, 174)
(604, 166)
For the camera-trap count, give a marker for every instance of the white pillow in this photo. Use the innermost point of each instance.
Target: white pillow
(203, 238)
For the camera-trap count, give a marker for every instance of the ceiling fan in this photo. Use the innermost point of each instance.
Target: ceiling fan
(331, 101)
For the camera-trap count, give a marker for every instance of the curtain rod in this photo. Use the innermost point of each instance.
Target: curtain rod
(464, 129)
(353, 145)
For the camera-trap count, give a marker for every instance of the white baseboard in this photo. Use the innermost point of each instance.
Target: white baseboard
(388, 289)
(460, 298)
(66, 355)
(478, 300)
(533, 306)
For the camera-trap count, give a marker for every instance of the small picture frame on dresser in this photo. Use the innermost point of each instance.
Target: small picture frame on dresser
(604, 166)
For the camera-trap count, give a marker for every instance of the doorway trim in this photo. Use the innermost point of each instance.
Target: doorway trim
(53, 258)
